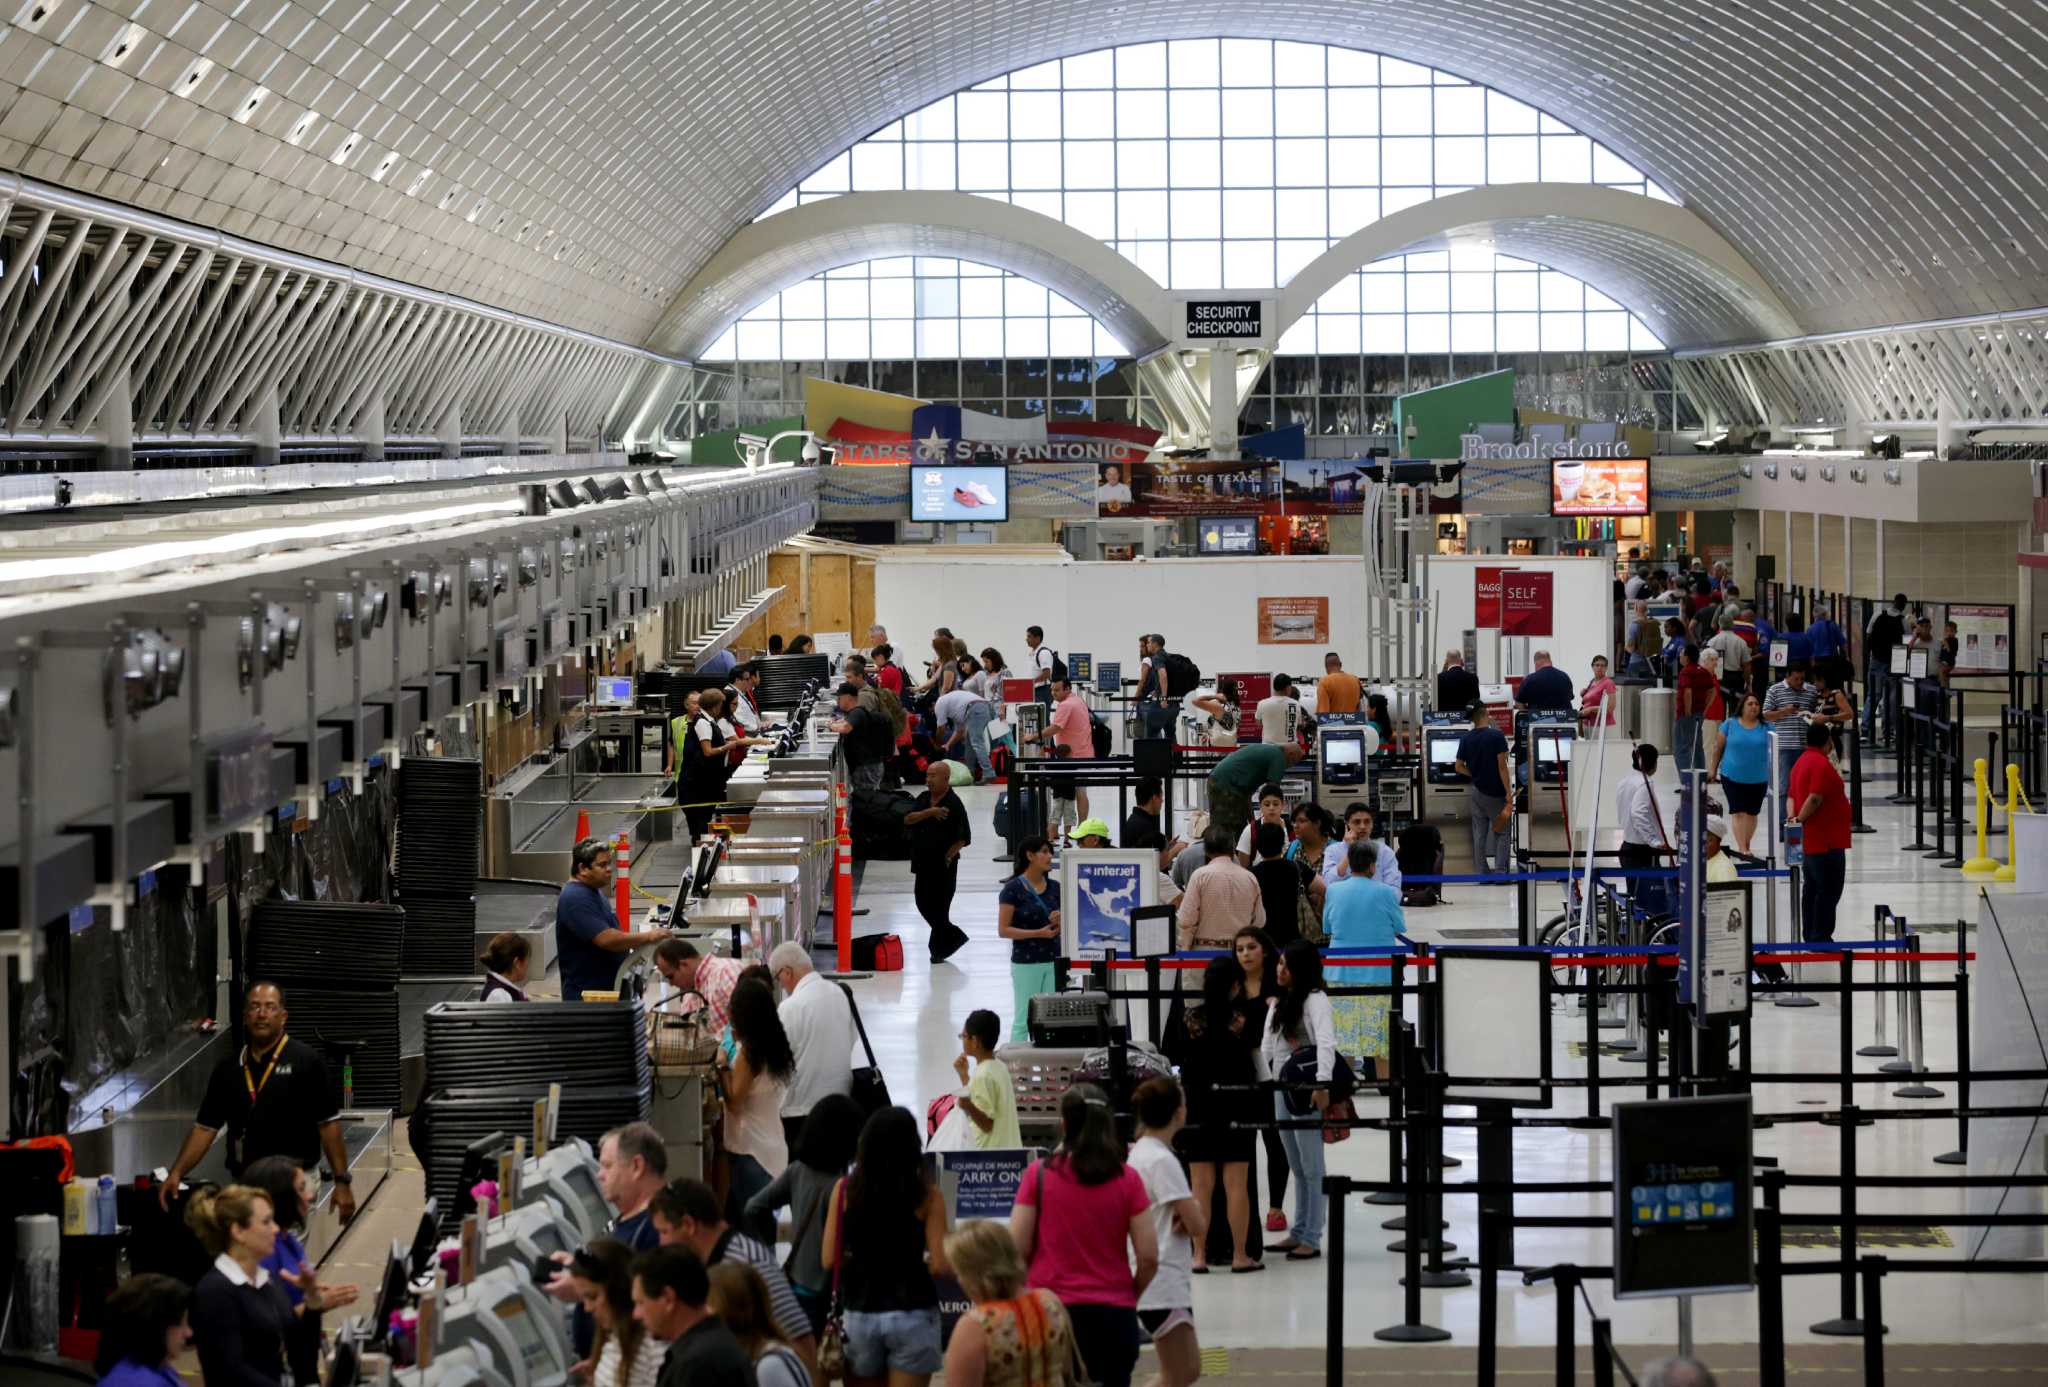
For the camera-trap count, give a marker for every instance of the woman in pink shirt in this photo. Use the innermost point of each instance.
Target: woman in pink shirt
(1599, 694)
(1077, 1213)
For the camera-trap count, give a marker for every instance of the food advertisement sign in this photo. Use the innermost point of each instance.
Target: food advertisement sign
(1600, 486)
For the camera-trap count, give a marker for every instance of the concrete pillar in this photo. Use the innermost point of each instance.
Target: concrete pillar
(1742, 555)
(558, 435)
(1945, 431)
(266, 429)
(117, 426)
(370, 429)
(1223, 401)
(449, 430)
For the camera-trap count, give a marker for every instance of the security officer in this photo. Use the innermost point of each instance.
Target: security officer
(273, 1098)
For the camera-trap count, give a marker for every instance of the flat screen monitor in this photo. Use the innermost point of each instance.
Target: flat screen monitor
(391, 1292)
(1443, 756)
(1229, 534)
(614, 691)
(1600, 486)
(424, 1239)
(1343, 750)
(1553, 753)
(980, 495)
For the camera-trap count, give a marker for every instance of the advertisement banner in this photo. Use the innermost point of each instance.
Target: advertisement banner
(1983, 638)
(1294, 621)
(1600, 486)
(1168, 487)
(1486, 598)
(1525, 603)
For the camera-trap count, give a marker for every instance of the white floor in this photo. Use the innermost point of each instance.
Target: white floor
(913, 1018)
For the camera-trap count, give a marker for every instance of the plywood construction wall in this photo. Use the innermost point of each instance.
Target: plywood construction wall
(821, 591)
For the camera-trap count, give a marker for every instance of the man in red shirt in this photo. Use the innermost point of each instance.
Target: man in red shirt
(1821, 809)
(1696, 693)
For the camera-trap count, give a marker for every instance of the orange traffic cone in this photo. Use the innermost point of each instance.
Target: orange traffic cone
(582, 824)
(842, 901)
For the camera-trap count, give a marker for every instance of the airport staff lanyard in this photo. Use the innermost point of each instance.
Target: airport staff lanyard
(250, 1081)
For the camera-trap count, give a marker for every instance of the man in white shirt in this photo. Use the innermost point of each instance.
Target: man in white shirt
(1734, 653)
(1633, 589)
(1041, 664)
(741, 709)
(818, 1017)
(1644, 840)
(1280, 715)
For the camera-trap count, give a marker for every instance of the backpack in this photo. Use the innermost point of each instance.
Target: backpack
(1420, 852)
(1059, 667)
(1098, 731)
(1183, 676)
(892, 709)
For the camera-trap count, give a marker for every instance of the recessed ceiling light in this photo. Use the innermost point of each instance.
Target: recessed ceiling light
(348, 147)
(384, 166)
(124, 45)
(419, 181)
(35, 12)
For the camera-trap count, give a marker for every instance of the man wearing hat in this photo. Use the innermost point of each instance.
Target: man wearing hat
(1091, 833)
(1719, 865)
(938, 831)
(865, 738)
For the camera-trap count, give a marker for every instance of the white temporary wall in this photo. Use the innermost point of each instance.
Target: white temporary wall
(1583, 625)
(1206, 608)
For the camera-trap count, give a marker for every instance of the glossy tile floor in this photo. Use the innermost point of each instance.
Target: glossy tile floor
(914, 1015)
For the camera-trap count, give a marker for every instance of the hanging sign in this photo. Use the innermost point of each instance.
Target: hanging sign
(1525, 603)
(1486, 599)
(1223, 318)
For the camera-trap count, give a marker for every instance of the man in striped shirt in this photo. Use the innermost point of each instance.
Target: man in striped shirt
(1785, 708)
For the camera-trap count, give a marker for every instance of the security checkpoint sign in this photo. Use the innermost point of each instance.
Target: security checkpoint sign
(1683, 1201)
(1525, 602)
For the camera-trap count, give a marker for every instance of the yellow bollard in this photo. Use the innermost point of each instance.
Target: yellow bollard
(1982, 864)
(2013, 797)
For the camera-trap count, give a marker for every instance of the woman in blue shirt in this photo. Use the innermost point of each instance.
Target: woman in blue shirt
(1669, 658)
(1028, 915)
(146, 1327)
(1742, 763)
(290, 1190)
(1361, 913)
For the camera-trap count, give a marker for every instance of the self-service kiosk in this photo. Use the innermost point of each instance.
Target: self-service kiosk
(1345, 743)
(537, 1228)
(567, 1174)
(506, 1315)
(1544, 761)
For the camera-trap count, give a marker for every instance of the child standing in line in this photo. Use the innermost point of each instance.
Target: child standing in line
(991, 1098)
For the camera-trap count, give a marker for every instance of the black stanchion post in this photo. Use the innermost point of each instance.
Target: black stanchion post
(1919, 843)
(1902, 780)
(1770, 1286)
(1955, 783)
(1567, 1348)
(1856, 824)
(1846, 1325)
(1412, 1330)
(1336, 1191)
(1873, 1321)
(1434, 1273)
(1397, 1105)
(1845, 1041)
(1152, 998)
(1603, 1353)
(1592, 1005)
(1961, 1155)
(1489, 1294)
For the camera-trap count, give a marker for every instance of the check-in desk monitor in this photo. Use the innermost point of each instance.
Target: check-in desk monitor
(522, 1236)
(1550, 751)
(1340, 755)
(505, 1314)
(568, 1175)
(470, 1366)
(1442, 744)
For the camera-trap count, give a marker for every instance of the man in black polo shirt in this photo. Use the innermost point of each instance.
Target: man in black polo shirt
(1142, 828)
(670, 1287)
(273, 1098)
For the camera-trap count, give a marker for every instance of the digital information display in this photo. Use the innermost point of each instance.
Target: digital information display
(1230, 534)
(1683, 1197)
(1600, 486)
(614, 691)
(960, 494)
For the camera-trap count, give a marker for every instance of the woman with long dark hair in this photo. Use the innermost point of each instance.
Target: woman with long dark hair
(1028, 915)
(1258, 956)
(621, 1353)
(290, 1190)
(1217, 1058)
(824, 1149)
(1301, 1020)
(890, 1224)
(761, 1070)
(1080, 1215)
(145, 1329)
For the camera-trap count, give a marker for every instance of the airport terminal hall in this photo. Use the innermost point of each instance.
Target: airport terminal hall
(924, 694)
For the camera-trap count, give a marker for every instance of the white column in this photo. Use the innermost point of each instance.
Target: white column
(1944, 426)
(266, 429)
(449, 430)
(558, 436)
(117, 426)
(370, 428)
(1223, 401)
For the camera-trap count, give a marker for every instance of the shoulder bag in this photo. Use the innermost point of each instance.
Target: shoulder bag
(832, 1339)
(870, 1090)
(1077, 1368)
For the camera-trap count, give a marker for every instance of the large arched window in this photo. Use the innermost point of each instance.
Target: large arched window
(1214, 163)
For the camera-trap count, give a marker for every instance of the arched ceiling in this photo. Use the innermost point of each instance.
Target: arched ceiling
(1877, 163)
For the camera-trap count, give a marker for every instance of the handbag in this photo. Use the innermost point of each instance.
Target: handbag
(1308, 921)
(1298, 1072)
(1336, 1121)
(870, 1091)
(832, 1339)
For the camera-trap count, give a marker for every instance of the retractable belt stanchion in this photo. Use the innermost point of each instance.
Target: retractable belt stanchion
(1915, 1038)
(1882, 929)
(1412, 1329)
(1846, 1324)
(1770, 1282)
(1855, 740)
(1961, 1155)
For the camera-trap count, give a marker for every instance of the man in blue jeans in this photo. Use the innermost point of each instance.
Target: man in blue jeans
(1483, 761)
(1818, 805)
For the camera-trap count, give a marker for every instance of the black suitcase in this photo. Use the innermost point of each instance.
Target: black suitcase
(1420, 851)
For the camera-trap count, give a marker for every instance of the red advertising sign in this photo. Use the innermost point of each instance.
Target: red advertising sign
(1487, 598)
(1525, 603)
